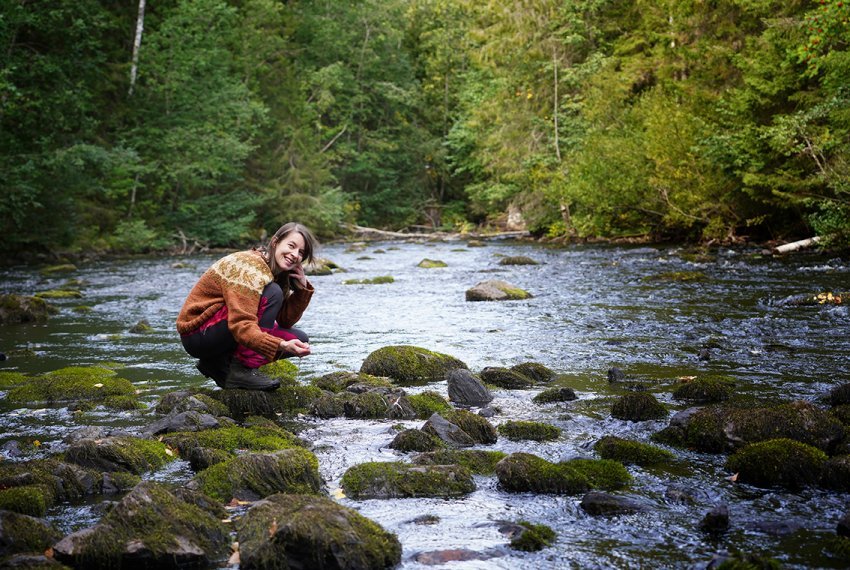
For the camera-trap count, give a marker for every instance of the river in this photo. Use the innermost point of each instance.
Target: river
(594, 307)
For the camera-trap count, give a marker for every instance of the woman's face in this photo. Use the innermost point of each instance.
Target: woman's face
(289, 251)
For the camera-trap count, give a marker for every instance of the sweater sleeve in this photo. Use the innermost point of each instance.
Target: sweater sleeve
(294, 306)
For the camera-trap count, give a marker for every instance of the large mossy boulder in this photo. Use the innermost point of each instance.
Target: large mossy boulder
(638, 407)
(16, 309)
(254, 476)
(476, 426)
(506, 378)
(233, 438)
(718, 429)
(149, 528)
(410, 365)
(288, 400)
(375, 403)
(709, 389)
(478, 461)
(23, 533)
(524, 472)
(389, 480)
(91, 385)
(525, 430)
(534, 370)
(778, 463)
(631, 452)
(496, 290)
(129, 454)
(303, 531)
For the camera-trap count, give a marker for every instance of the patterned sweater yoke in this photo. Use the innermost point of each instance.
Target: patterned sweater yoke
(245, 273)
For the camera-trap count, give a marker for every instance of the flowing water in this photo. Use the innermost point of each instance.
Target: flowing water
(594, 307)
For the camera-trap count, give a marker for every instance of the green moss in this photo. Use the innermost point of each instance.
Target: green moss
(638, 407)
(428, 403)
(255, 476)
(215, 407)
(330, 405)
(631, 452)
(298, 531)
(517, 260)
(535, 537)
(478, 461)
(82, 309)
(679, 276)
(505, 378)
(534, 370)
(22, 533)
(705, 390)
(124, 481)
(431, 263)
(93, 384)
(601, 473)
(778, 463)
(368, 405)
(142, 327)
(119, 454)
(391, 480)
(410, 364)
(524, 472)
(234, 438)
(373, 281)
(416, 440)
(555, 395)
(124, 403)
(339, 381)
(61, 268)
(282, 370)
(524, 430)
(11, 379)
(30, 500)
(59, 294)
(477, 427)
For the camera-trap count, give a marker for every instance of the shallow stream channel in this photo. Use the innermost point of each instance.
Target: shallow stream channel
(661, 315)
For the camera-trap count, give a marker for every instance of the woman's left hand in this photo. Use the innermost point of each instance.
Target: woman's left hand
(297, 274)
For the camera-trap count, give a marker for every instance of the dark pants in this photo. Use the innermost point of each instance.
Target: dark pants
(213, 342)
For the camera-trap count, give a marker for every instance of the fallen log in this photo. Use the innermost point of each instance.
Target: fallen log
(365, 231)
(795, 245)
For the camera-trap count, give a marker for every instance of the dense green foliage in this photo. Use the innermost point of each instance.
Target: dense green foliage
(694, 120)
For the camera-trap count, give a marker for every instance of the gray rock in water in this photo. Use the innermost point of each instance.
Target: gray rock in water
(438, 426)
(487, 412)
(616, 375)
(496, 290)
(716, 521)
(183, 421)
(600, 503)
(467, 390)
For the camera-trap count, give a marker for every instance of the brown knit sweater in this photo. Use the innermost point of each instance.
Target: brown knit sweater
(237, 281)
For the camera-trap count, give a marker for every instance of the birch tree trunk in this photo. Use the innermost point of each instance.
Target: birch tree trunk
(137, 43)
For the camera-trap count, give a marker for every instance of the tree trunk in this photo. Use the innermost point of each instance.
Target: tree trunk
(137, 43)
(555, 104)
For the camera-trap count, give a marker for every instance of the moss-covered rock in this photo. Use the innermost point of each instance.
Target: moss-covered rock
(603, 474)
(253, 476)
(477, 427)
(631, 452)
(840, 395)
(382, 480)
(233, 438)
(524, 472)
(141, 327)
(16, 309)
(301, 531)
(778, 463)
(524, 430)
(282, 370)
(704, 390)
(31, 500)
(716, 428)
(431, 263)
(836, 473)
(339, 381)
(638, 407)
(48, 481)
(9, 379)
(93, 384)
(496, 290)
(842, 414)
(533, 537)
(428, 403)
(408, 365)
(149, 528)
(59, 268)
(59, 294)
(551, 395)
(129, 454)
(286, 400)
(23, 533)
(330, 405)
(416, 440)
(517, 260)
(478, 461)
(376, 403)
(816, 299)
(380, 280)
(534, 370)
(505, 378)
(679, 276)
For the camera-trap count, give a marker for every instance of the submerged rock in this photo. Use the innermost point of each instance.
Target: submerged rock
(16, 309)
(778, 463)
(598, 503)
(408, 365)
(638, 407)
(506, 378)
(257, 475)
(467, 390)
(302, 531)
(23, 533)
(148, 528)
(388, 480)
(496, 290)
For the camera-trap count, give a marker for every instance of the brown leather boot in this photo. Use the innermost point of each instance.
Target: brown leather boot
(243, 378)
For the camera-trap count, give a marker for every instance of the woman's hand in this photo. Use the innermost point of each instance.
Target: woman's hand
(294, 347)
(297, 274)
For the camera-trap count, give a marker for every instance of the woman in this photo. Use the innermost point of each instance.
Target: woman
(239, 314)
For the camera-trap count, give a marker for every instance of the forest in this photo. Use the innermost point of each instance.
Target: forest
(138, 126)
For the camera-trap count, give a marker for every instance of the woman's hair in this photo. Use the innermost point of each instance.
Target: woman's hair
(310, 244)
